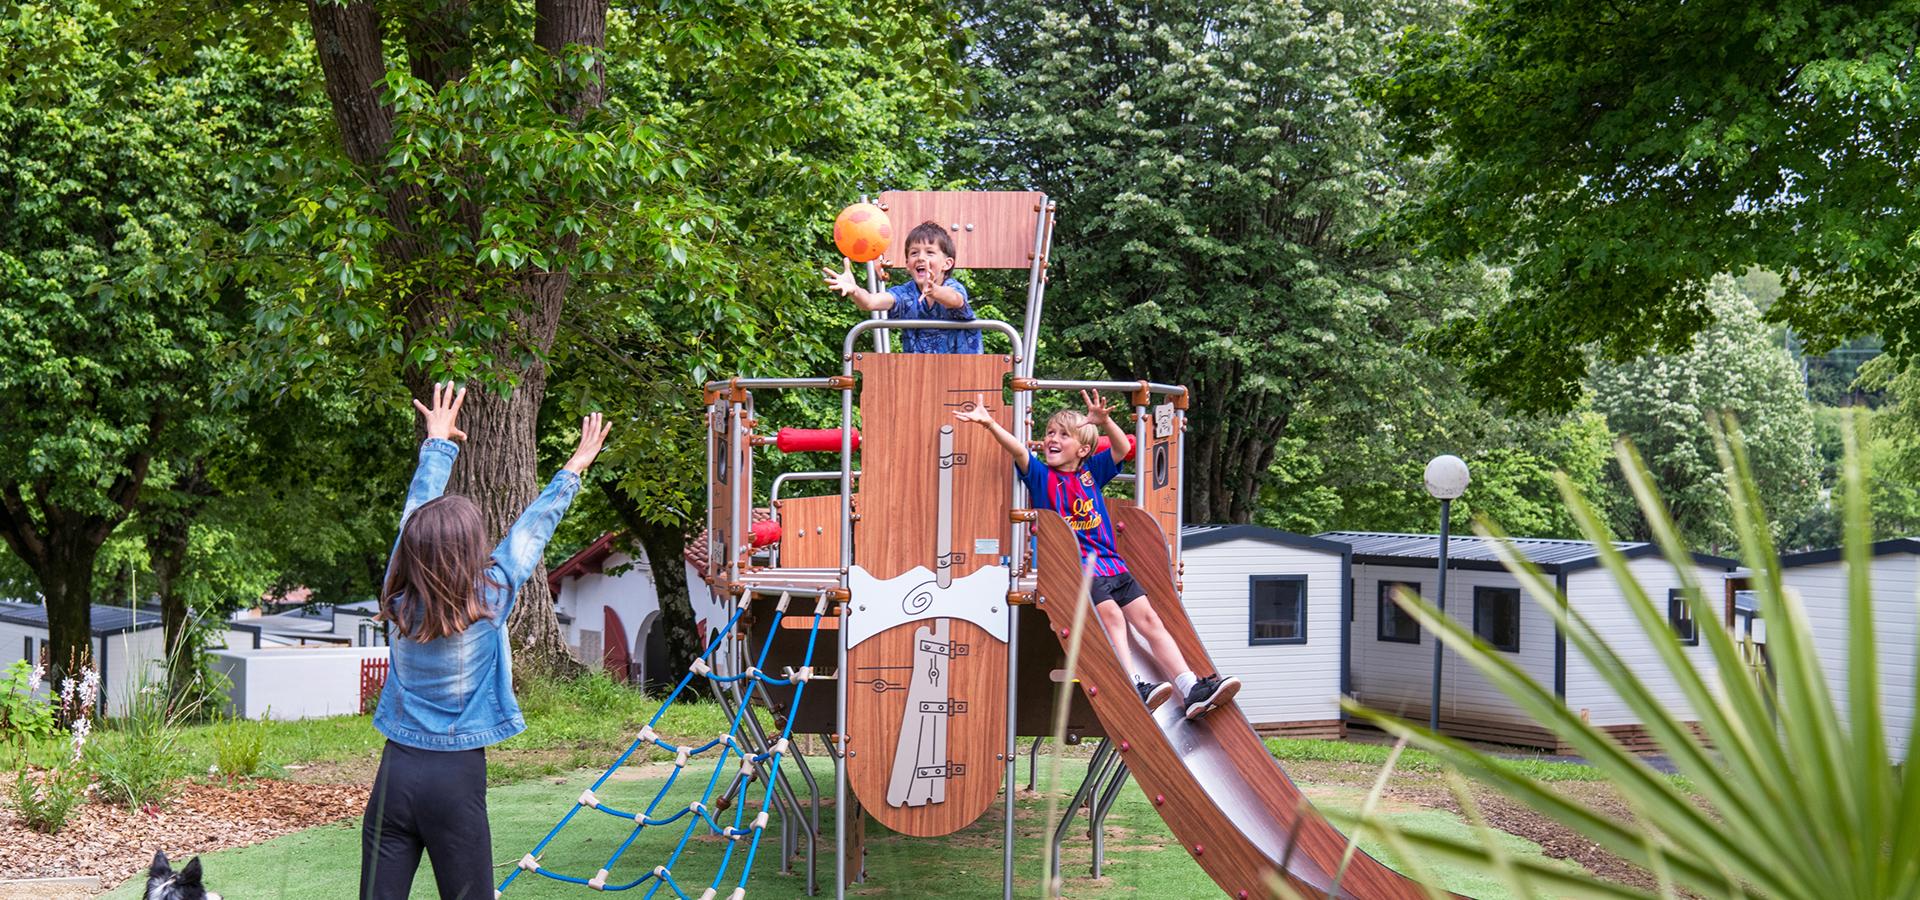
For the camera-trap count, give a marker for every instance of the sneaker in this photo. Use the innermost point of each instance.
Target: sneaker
(1210, 693)
(1154, 694)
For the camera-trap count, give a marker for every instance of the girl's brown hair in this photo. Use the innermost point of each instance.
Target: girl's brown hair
(439, 569)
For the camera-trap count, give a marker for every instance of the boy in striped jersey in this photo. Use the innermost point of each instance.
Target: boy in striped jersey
(1067, 477)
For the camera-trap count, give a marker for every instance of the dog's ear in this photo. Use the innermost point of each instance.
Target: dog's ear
(159, 869)
(191, 874)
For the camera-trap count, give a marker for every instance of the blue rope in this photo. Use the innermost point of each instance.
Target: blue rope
(729, 744)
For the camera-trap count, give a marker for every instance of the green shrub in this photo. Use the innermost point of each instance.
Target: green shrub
(1783, 796)
(23, 716)
(45, 799)
(238, 747)
(138, 761)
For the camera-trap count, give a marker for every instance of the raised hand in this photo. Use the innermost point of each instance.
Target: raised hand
(978, 415)
(1096, 408)
(841, 281)
(445, 411)
(593, 436)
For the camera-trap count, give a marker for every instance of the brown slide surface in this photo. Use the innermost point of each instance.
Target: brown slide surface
(1223, 795)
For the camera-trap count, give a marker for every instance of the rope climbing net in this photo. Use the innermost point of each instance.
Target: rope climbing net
(698, 813)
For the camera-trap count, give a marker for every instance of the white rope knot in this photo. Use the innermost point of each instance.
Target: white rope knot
(599, 880)
(700, 666)
(726, 740)
(820, 607)
(804, 673)
(708, 894)
(782, 605)
(680, 759)
(647, 735)
(739, 893)
(746, 767)
(588, 799)
(530, 864)
(760, 821)
(697, 808)
(661, 872)
(643, 820)
(753, 673)
(779, 747)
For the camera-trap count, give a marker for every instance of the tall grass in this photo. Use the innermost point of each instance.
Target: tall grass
(1789, 799)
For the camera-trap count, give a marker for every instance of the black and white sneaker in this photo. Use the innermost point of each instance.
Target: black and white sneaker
(1210, 693)
(1154, 694)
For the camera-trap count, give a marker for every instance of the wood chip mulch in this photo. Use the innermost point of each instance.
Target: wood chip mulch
(114, 843)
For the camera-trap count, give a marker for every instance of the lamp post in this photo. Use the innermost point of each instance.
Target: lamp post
(1447, 479)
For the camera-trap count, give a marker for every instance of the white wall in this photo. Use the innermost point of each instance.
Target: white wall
(1896, 624)
(1279, 682)
(631, 594)
(295, 683)
(1594, 594)
(128, 661)
(1391, 676)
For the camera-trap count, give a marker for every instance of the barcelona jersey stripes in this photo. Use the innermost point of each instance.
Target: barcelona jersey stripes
(1076, 497)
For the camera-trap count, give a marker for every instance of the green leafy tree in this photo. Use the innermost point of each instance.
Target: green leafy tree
(1216, 170)
(111, 161)
(1620, 156)
(800, 108)
(1662, 404)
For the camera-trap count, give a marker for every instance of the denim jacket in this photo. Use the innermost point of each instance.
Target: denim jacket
(456, 692)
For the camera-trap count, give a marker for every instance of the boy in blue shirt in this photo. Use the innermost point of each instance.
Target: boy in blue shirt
(933, 294)
(1068, 479)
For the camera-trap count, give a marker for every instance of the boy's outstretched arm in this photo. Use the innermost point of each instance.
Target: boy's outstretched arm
(978, 415)
(1098, 414)
(526, 542)
(842, 281)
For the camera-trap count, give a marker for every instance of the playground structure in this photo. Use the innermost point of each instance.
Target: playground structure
(919, 569)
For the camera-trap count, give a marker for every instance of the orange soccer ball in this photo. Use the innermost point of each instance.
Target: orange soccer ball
(862, 232)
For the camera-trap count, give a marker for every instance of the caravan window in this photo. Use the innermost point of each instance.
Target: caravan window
(1278, 609)
(1397, 625)
(1496, 617)
(1681, 616)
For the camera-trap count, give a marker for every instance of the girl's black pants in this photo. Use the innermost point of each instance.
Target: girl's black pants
(434, 801)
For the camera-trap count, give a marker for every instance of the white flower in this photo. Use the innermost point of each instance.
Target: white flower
(39, 675)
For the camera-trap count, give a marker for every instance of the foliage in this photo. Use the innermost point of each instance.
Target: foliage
(1662, 403)
(239, 747)
(23, 716)
(109, 333)
(1620, 157)
(1217, 170)
(43, 800)
(1894, 504)
(1774, 760)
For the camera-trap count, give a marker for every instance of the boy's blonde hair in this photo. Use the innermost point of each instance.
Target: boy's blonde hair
(1075, 422)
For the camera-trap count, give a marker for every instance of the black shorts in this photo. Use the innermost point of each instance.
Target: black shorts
(1121, 589)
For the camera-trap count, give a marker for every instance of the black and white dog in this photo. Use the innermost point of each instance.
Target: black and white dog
(163, 883)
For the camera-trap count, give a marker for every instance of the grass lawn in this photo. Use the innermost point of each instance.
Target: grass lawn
(1141, 855)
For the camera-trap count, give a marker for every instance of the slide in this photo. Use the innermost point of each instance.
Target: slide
(1224, 796)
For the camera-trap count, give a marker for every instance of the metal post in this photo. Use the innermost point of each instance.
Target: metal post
(840, 638)
(1439, 648)
(881, 343)
(1097, 815)
(1015, 554)
(1142, 475)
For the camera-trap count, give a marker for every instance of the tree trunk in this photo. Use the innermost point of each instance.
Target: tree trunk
(498, 470)
(666, 547)
(167, 555)
(67, 585)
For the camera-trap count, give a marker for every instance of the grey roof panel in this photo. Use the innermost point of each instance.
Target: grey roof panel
(107, 620)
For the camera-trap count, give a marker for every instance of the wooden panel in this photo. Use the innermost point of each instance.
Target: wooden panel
(904, 400)
(810, 532)
(1158, 469)
(991, 229)
(1224, 797)
(727, 467)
